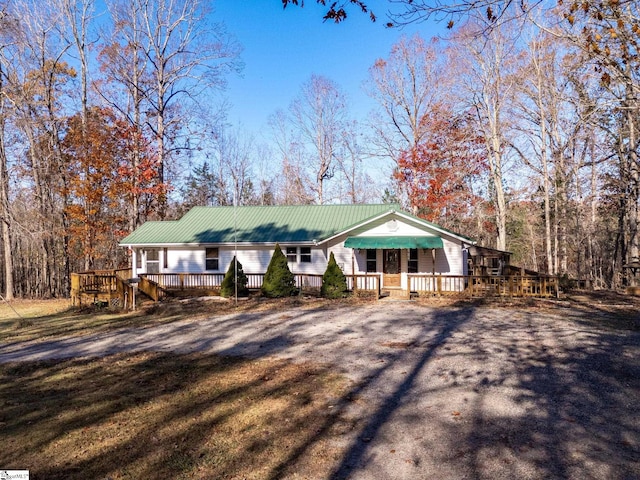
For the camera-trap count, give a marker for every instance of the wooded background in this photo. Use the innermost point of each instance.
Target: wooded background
(518, 130)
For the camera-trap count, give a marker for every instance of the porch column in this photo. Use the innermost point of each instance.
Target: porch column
(134, 262)
(404, 269)
(161, 260)
(433, 261)
(143, 254)
(353, 271)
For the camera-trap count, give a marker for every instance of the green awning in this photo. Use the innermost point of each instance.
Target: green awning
(393, 242)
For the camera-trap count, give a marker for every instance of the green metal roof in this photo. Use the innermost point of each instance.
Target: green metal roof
(394, 242)
(266, 224)
(257, 224)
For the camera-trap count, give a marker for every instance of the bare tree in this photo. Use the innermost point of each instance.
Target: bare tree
(485, 58)
(5, 212)
(294, 186)
(319, 113)
(39, 76)
(234, 156)
(351, 163)
(125, 71)
(406, 85)
(187, 56)
(552, 122)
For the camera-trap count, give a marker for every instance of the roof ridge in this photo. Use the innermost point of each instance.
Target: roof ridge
(390, 205)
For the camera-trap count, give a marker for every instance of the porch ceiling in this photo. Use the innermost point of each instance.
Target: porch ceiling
(394, 242)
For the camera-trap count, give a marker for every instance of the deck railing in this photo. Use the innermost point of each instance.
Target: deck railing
(185, 281)
(114, 284)
(471, 285)
(110, 286)
(485, 285)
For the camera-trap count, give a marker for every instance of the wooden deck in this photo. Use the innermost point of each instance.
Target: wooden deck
(113, 288)
(103, 287)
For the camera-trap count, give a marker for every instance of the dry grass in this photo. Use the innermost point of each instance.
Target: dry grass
(159, 416)
(167, 416)
(40, 319)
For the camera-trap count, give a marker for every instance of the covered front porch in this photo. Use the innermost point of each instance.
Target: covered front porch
(396, 258)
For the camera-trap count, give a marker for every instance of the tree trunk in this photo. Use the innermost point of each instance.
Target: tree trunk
(5, 220)
(5, 214)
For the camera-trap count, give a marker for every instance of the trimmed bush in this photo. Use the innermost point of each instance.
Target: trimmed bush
(228, 287)
(278, 281)
(334, 283)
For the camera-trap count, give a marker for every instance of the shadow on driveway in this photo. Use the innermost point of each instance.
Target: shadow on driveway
(447, 393)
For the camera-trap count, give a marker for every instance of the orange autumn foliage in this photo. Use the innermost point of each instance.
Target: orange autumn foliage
(439, 173)
(101, 180)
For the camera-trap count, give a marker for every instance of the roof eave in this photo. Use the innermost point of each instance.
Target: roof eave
(406, 217)
(221, 244)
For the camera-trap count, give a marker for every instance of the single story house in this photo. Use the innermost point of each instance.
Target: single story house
(365, 239)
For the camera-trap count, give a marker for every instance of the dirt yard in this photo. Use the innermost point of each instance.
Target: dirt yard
(430, 389)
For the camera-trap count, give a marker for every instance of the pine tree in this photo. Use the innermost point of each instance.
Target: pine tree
(278, 281)
(228, 287)
(334, 283)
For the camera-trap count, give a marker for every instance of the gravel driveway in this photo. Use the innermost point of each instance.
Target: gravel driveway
(445, 393)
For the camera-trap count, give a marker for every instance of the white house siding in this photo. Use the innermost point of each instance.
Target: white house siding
(395, 227)
(185, 260)
(254, 260)
(342, 256)
(449, 260)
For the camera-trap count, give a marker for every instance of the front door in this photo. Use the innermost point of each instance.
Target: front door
(391, 268)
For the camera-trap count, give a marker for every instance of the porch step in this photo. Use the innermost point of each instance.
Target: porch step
(395, 294)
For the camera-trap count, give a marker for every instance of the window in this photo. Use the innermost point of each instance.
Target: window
(212, 259)
(305, 254)
(166, 258)
(413, 261)
(371, 261)
(292, 254)
(153, 261)
(138, 258)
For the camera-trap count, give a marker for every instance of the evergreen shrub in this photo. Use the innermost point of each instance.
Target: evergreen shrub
(334, 283)
(228, 287)
(278, 280)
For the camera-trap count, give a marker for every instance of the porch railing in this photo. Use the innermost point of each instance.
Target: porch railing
(485, 285)
(112, 285)
(156, 285)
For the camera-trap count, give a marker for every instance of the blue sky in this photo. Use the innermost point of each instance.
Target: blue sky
(284, 47)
